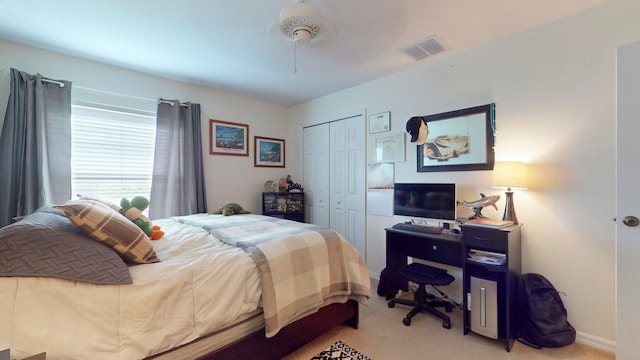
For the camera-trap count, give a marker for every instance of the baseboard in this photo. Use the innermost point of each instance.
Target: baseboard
(596, 342)
(374, 275)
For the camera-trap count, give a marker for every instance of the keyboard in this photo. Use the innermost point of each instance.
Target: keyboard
(418, 228)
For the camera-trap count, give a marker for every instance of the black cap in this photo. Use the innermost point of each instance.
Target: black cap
(413, 127)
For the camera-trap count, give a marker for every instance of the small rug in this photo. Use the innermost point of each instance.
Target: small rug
(340, 351)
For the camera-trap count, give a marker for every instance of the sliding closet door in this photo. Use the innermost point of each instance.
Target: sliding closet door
(316, 174)
(355, 183)
(334, 177)
(337, 184)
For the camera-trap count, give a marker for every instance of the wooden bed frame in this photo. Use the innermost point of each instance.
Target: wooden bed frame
(290, 338)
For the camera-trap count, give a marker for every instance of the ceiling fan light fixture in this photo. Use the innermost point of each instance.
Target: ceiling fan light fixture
(302, 22)
(302, 34)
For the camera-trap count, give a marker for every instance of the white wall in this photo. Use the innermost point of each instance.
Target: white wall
(554, 89)
(226, 176)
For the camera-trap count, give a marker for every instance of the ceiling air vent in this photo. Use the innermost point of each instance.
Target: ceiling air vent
(424, 48)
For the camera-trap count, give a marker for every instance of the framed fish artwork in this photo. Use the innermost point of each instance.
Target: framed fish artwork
(458, 140)
(269, 152)
(228, 138)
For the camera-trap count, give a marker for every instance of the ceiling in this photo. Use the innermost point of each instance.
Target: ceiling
(236, 46)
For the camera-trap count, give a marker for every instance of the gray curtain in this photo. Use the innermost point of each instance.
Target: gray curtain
(35, 145)
(178, 186)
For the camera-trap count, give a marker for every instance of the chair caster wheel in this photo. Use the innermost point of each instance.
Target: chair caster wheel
(446, 324)
(406, 321)
(391, 304)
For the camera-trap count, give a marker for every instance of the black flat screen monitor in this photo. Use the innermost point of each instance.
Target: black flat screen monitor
(433, 201)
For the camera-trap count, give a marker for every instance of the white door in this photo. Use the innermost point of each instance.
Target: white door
(315, 174)
(337, 176)
(355, 183)
(334, 177)
(628, 201)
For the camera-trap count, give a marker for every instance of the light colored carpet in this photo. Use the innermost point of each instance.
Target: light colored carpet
(382, 336)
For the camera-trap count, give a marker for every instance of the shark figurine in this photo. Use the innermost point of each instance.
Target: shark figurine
(477, 205)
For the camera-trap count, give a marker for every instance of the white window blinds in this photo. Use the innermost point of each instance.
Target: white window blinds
(111, 152)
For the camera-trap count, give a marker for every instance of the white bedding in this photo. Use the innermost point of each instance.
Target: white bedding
(172, 302)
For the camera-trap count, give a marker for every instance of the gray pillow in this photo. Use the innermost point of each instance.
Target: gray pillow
(47, 244)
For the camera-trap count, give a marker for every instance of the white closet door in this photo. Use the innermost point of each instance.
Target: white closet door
(337, 175)
(334, 177)
(316, 174)
(355, 180)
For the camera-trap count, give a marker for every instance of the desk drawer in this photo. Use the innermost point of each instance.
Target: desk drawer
(443, 252)
(439, 248)
(489, 239)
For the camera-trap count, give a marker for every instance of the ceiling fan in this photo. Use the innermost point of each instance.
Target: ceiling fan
(303, 23)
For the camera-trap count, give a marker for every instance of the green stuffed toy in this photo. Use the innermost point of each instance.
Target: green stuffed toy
(231, 209)
(133, 209)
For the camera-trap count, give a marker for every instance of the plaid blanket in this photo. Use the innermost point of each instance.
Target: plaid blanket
(302, 267)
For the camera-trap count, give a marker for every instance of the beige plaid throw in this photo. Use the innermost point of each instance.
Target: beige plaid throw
(302, 267)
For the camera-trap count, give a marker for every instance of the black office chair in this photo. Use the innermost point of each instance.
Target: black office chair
(425, 275)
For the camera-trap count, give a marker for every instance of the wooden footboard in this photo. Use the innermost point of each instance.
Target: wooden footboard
(290, 338)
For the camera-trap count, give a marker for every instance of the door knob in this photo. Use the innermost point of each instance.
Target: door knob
(631, 221)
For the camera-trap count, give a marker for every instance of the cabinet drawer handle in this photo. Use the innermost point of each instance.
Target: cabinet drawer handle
(481, 239)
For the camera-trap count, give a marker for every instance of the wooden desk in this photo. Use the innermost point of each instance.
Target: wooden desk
(440, 248)
(450, 249)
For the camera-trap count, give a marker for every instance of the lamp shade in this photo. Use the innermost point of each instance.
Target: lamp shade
(510, 175)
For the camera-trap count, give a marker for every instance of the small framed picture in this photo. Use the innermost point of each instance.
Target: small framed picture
(390, 148)
(269, 152)
(379, 122)
(228, 138)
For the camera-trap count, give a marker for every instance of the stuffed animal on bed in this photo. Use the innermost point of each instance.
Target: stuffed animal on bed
(133, 209)
(231, 209)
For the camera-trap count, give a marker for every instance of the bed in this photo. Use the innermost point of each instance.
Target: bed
(213, 286)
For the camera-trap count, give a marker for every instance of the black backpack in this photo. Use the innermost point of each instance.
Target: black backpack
(543, 317)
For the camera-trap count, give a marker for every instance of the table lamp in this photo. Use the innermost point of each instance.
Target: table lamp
(510, 175)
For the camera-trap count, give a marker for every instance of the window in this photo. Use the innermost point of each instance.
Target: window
(112, 152)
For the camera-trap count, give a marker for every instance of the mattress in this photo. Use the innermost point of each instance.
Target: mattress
(170, 303)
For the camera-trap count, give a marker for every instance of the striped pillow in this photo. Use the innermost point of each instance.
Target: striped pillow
(106, 225)
(99, 199)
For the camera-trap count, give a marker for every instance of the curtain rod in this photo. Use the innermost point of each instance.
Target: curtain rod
(170, 103)
(60, 83)
(5, 72)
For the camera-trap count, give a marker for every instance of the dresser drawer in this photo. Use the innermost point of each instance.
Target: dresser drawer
(489, 239)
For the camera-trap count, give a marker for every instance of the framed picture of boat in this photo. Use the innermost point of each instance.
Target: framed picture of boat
(269, 152)
(459, 140)
(228, 138)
